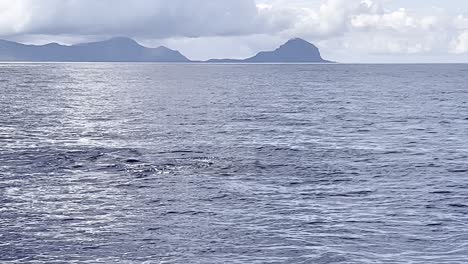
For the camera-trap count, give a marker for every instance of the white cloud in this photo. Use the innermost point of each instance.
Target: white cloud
(13, 17)
(460, 44)
(367, 26)
(461, 22)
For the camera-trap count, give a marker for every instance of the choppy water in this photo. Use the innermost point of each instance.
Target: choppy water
(152, 163)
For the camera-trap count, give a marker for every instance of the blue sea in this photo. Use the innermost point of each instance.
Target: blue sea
(226, 163)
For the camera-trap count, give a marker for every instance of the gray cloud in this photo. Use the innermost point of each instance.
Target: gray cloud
(147, 18)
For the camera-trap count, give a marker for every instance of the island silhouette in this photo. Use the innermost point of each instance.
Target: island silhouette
(123, 49)
(294, 50)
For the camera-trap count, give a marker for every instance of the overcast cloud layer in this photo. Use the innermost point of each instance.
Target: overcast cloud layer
(345, 30)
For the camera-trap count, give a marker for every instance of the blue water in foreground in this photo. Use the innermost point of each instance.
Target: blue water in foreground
(154, 163)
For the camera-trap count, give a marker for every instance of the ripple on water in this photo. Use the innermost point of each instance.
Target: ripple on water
(130, 163)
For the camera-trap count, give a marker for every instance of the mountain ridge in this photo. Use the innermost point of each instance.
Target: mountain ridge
(118, 49)
(124, 49)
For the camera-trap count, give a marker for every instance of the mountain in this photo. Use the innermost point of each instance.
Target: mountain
(123, 49)
(294, 51)
(118, 49)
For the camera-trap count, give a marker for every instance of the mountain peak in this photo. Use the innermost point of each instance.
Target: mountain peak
(297, 40)
(295, 50)
(117, 42)
(298, 43)
(122, 40)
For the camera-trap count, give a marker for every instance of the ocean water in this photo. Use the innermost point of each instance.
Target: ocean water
(179, 163)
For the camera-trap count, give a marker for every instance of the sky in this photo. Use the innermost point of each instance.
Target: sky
(367, 31)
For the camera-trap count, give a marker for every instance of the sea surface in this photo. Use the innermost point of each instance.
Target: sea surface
(198, 163)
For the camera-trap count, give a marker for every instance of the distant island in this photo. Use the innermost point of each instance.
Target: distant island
(294, 51)
(122, 49)
(113, 50)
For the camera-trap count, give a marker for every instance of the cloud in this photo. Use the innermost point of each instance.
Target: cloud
(398, 20)
(461, 22)
(369, 26)
(460, 44)
(243, 27)
(148, 18)
(13, 16)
